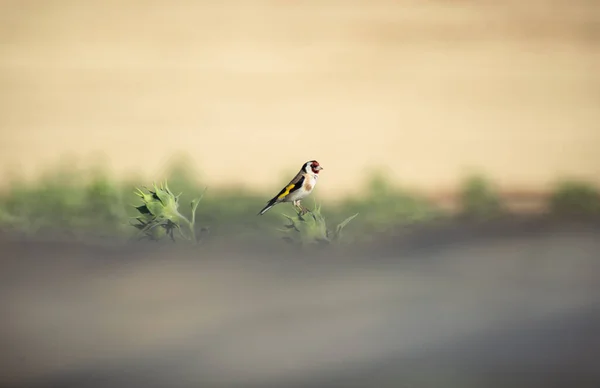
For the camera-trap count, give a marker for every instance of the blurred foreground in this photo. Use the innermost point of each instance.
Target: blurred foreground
(508, 305)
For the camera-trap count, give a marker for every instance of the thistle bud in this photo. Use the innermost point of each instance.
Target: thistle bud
(159, 214)
(311, 228)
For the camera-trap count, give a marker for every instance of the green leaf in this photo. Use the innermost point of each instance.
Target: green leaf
(143, 209)
(194, 205)
(167, 198)
(156, 208)
(144, 196)
(342, 225)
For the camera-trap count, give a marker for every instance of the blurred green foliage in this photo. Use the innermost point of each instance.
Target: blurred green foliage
(76, 203)
(574, 198)
(65, 201)
(479, 199)
(384, 207)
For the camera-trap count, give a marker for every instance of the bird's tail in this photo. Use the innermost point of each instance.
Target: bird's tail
(266, 208)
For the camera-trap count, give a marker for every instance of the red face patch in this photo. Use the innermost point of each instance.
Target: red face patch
(314, 166)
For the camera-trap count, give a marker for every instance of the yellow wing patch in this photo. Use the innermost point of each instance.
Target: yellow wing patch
(286, 191)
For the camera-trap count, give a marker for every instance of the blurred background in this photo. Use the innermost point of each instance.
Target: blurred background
(240, 93)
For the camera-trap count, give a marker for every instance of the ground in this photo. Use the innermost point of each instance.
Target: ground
(492, 306)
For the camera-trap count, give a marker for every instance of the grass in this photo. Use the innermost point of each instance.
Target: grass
(77, 204)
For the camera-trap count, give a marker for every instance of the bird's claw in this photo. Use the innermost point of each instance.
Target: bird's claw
(303, 210)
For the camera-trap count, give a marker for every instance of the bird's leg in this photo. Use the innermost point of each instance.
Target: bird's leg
(303, 210)
(299, 206)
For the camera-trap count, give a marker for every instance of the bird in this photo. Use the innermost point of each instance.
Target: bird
(299, 187)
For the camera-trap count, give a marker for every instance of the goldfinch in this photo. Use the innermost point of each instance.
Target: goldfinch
(302, 185)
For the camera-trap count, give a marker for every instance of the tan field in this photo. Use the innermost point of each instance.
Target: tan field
(252, 89)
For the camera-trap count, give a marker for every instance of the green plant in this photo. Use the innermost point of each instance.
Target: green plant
(7, 219)
(385, 207)
(574, 198)
(159, 214)
(53, 204)
(311, 228)
(102, 207)
(478, 198)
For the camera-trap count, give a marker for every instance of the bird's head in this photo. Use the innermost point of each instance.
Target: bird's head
(312, 167)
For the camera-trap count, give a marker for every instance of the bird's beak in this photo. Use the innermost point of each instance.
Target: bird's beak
(319, 168)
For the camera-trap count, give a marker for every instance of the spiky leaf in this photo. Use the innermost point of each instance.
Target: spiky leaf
(342, 225)
(160, 212)
(311, 228)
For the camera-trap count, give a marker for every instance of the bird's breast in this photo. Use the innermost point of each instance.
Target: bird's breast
(310, 182)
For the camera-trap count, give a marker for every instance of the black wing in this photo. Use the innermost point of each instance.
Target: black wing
(294, 185)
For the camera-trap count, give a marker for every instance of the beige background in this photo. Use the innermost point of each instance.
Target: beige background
(251, 89)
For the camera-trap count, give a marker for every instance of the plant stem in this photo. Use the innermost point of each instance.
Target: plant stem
(190, 226)
(192, 232)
